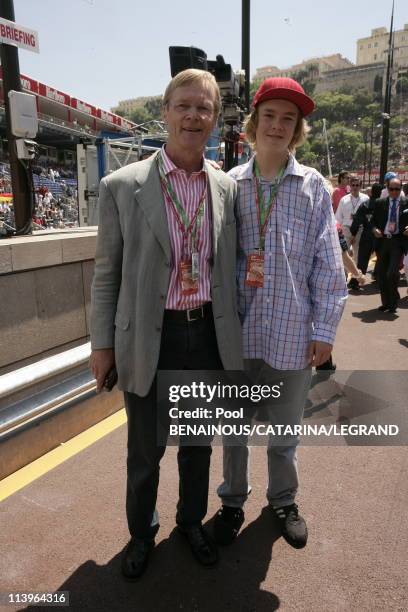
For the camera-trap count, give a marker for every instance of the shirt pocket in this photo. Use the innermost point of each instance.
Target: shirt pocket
(294, 237)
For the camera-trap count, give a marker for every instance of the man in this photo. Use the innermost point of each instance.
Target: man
(390, 226)
(164, 297)
(346, 210)
(290, 309)
(342, 189)
(363, 219)
(387, 177)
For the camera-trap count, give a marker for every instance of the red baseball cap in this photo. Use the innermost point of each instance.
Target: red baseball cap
(283, 88)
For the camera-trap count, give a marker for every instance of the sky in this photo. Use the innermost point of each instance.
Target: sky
(103, 51)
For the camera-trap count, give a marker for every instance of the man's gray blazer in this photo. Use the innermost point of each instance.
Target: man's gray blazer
(132, 272)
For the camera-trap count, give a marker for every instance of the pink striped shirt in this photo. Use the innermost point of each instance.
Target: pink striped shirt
(189, 190)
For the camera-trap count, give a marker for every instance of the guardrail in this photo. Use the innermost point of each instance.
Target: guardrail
(31, 392)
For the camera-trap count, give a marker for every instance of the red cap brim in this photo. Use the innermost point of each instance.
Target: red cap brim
(302, 101)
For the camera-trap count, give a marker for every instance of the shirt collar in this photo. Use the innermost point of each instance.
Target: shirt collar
(170, 166)
(246, 171)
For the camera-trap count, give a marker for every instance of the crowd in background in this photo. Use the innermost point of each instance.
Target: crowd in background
(55, 199)
(358, 213)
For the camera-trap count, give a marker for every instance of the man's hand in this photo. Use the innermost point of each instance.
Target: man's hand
(100, 363)
(377, 233)
(319, 352)
(405, 232)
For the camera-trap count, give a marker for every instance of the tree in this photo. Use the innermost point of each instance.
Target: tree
(154, 107)
(140, 115)
(255, 83)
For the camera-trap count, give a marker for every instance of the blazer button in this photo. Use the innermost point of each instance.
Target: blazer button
(162, 296)
(158, 328)
(168, 264)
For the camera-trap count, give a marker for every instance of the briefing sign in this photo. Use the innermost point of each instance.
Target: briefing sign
(13, 34)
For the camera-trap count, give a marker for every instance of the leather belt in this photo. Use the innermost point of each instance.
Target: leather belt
(189, 316)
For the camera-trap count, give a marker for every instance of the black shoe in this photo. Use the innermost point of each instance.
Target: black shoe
(392, 310)
(202, 547)
(135, 558)
(228, 522)
(353, 284)
(382, 308)
(294, 528)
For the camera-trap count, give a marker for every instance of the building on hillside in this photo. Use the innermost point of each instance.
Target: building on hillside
(319, 66)
(370, 76)
(374, 48)
(128, 106)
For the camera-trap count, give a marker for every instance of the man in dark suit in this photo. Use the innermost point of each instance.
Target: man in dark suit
(390, 226)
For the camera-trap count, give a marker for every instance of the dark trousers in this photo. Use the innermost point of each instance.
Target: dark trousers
(391, 252)
(184, 346)
(365, 248)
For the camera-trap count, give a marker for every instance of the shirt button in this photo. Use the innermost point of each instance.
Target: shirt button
(267, 300)
(266, 322)
(268, 277)
(162, 296)
(167, 264)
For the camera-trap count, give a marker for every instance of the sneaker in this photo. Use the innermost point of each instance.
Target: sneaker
(228, 522)
(294, 529)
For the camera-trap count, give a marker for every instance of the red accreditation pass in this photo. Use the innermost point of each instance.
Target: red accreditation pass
(189, 286)
(255, 270)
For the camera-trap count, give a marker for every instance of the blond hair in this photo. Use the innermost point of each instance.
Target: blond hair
(191, 76)
(301, 130)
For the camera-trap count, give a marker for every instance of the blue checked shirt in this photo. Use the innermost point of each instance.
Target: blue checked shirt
(304, 290)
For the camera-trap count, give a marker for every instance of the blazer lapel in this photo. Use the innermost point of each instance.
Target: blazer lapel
(217, 203)
(149, 195)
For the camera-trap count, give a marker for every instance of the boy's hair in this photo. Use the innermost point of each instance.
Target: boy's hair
(301, 130)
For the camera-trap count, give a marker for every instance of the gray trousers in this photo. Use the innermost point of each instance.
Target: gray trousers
(283, 479)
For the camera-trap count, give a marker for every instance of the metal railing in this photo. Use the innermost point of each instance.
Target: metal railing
(53, 383)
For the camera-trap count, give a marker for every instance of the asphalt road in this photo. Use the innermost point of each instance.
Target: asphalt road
(66, 530)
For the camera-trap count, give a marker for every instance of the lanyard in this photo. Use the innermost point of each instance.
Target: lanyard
(186, 227)
(354, 207)
(264, 209)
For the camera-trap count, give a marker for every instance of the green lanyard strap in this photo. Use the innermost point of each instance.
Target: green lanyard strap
(264, 209)
(183, 221)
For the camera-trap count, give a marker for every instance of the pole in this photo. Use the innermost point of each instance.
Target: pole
(19, 178)
(370, 160)
(365, 155)
(327, 148)
(245, 46)
(387, 103)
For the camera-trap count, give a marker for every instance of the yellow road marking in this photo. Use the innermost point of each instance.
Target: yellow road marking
(13, 483)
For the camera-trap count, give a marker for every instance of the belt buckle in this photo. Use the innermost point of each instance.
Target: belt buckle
(189, 319)
(389, 236)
